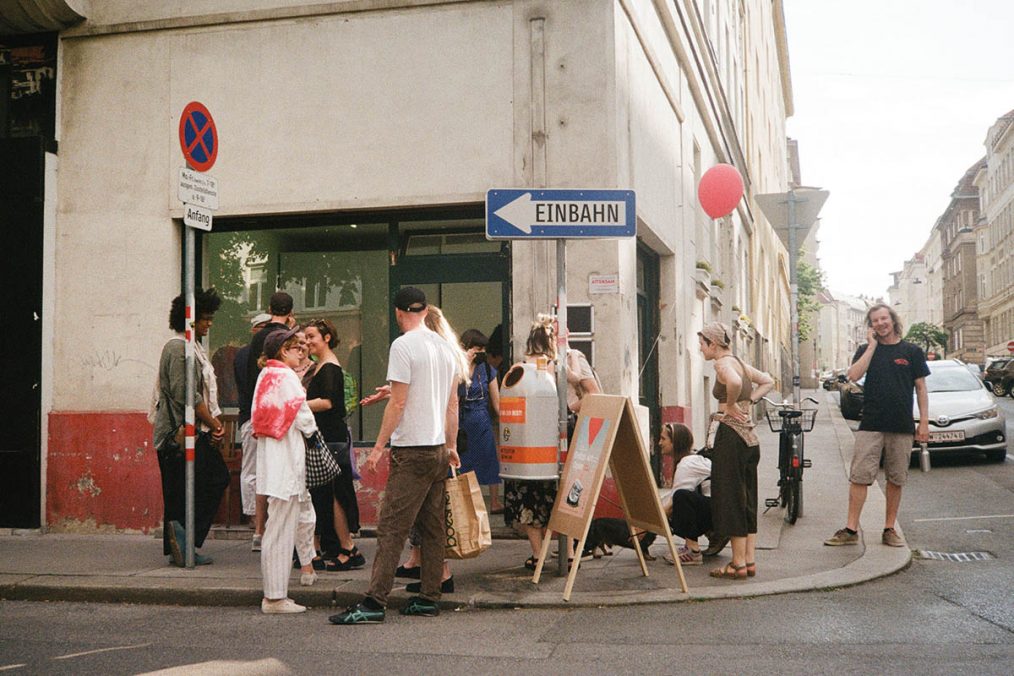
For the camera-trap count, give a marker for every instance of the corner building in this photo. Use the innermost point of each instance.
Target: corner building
(357, 141)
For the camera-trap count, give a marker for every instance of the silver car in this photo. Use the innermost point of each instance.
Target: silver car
(963, 415)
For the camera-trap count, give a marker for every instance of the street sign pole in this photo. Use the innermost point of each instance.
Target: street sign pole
(791, 214)
(190, 319)
(794, 293)
(527, 213)
(561, 381)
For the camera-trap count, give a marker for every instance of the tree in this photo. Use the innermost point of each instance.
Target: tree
(927, 336)
(809, 281)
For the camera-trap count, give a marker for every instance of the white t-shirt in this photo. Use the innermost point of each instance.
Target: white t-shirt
(691, 471)
(424, 361)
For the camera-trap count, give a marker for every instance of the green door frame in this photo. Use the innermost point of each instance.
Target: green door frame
(648, 327)
(449, 269)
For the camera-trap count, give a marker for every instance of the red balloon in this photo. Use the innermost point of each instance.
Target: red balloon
(720, 190)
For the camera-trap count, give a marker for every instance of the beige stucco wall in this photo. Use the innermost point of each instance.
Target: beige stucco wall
(370, 109)
(398, 104)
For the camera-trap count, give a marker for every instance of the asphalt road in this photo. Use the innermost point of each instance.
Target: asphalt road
(938, 616)
(935, 617)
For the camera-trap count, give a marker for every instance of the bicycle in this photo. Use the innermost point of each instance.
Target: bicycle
(790, 423)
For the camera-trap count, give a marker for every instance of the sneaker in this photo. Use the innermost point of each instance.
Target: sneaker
(358, 614)
(418, 606)
(307, 579)
(716, 543)
(446, 587)
(281, 607)
(891, 538)
(255, 544)
(842, 537)
(202, 559)
(689, 557)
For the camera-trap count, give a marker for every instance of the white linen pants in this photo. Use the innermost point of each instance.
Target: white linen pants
(290, 523)
(248, 470)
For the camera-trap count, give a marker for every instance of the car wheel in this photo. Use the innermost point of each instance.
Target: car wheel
(997, 456)
(999, 390)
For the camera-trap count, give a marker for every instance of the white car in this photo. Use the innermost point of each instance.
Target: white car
(963, 415)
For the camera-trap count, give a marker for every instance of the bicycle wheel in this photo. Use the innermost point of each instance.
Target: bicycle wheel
(791, 499)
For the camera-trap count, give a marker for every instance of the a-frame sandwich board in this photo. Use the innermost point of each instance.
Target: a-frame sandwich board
(606, 435)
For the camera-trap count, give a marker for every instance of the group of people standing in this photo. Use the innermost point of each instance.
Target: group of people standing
(437, 386)
(290, 385)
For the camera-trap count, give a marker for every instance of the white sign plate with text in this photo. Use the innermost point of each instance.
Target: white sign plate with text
(197, 189)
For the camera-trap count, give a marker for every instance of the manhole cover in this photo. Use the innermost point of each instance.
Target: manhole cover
(958, 557)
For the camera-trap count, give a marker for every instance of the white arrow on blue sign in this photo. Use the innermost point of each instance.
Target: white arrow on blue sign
(560, 214)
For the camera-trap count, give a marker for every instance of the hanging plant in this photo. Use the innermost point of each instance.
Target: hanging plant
(704, 265)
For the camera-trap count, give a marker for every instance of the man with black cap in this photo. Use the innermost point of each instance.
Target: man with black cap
(421, 421)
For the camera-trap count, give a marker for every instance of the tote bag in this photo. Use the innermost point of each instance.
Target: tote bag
(465, 517)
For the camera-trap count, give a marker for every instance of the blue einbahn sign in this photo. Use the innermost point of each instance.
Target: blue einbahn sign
(560, 214)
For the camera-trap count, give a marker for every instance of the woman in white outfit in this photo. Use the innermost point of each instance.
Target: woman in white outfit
(280, 418)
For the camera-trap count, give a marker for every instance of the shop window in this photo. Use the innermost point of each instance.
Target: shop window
(339, 273)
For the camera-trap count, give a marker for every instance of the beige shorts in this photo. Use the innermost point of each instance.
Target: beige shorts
(897, 450)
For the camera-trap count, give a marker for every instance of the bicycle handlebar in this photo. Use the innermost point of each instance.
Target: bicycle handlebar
(789, 404)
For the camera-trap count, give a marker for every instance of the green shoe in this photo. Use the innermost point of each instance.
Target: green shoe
(358, 614)
(417, 605)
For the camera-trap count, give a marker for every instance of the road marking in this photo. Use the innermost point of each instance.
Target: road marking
(8, 667)
(966, 518)
(102, 650)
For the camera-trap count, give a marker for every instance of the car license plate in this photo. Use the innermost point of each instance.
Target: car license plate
(956, 435)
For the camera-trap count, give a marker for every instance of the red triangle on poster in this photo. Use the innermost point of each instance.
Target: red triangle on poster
(594, 427)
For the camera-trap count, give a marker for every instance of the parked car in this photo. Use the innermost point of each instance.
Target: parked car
(963, 415)
(850, 397)
(999, 376)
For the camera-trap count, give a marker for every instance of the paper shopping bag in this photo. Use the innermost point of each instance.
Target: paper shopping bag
(465, 517)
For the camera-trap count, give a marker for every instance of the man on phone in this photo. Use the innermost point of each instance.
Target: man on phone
(892, 367)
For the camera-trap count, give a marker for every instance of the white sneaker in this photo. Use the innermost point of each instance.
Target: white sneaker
(281, 607)
(307, 579)
(255, 545)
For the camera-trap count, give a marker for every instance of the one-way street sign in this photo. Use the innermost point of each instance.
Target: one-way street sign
(560, 214)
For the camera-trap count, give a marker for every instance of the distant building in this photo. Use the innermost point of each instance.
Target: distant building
(994, 238)
(961, 296)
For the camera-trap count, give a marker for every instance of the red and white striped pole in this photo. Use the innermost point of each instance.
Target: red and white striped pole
(188, 256)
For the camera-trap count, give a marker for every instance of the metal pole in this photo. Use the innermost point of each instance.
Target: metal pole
(794, 289)
(188, 249)
(561, 381)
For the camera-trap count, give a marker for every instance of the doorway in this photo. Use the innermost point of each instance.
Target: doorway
(21, 207)
(648, 328)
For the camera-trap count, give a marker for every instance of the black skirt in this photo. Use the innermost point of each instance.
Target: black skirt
(733, 484)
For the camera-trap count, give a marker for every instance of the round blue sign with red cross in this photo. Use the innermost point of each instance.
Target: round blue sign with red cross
(198, 136)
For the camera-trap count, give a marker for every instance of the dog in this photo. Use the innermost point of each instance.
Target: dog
(603, 534)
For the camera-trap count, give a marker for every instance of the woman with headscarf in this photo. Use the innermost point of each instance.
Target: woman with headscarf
(735, 450)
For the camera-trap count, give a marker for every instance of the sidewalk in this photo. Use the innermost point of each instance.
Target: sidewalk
(130, 568)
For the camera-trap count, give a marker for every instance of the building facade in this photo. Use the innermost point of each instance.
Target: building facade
(994, 238)
(961, 294)
(356, 145)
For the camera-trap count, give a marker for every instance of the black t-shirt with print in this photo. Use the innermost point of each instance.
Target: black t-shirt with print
(890, 387)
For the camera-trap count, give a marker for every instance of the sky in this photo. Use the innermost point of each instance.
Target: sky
(893, 100)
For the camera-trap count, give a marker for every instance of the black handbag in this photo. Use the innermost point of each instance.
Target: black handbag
(322, 464)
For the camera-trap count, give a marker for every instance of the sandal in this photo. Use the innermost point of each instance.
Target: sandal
(354, 558)
(531, 562)
(751, 569)
(730, 571)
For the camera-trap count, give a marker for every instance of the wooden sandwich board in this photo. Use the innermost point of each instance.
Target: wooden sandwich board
(606, 434)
